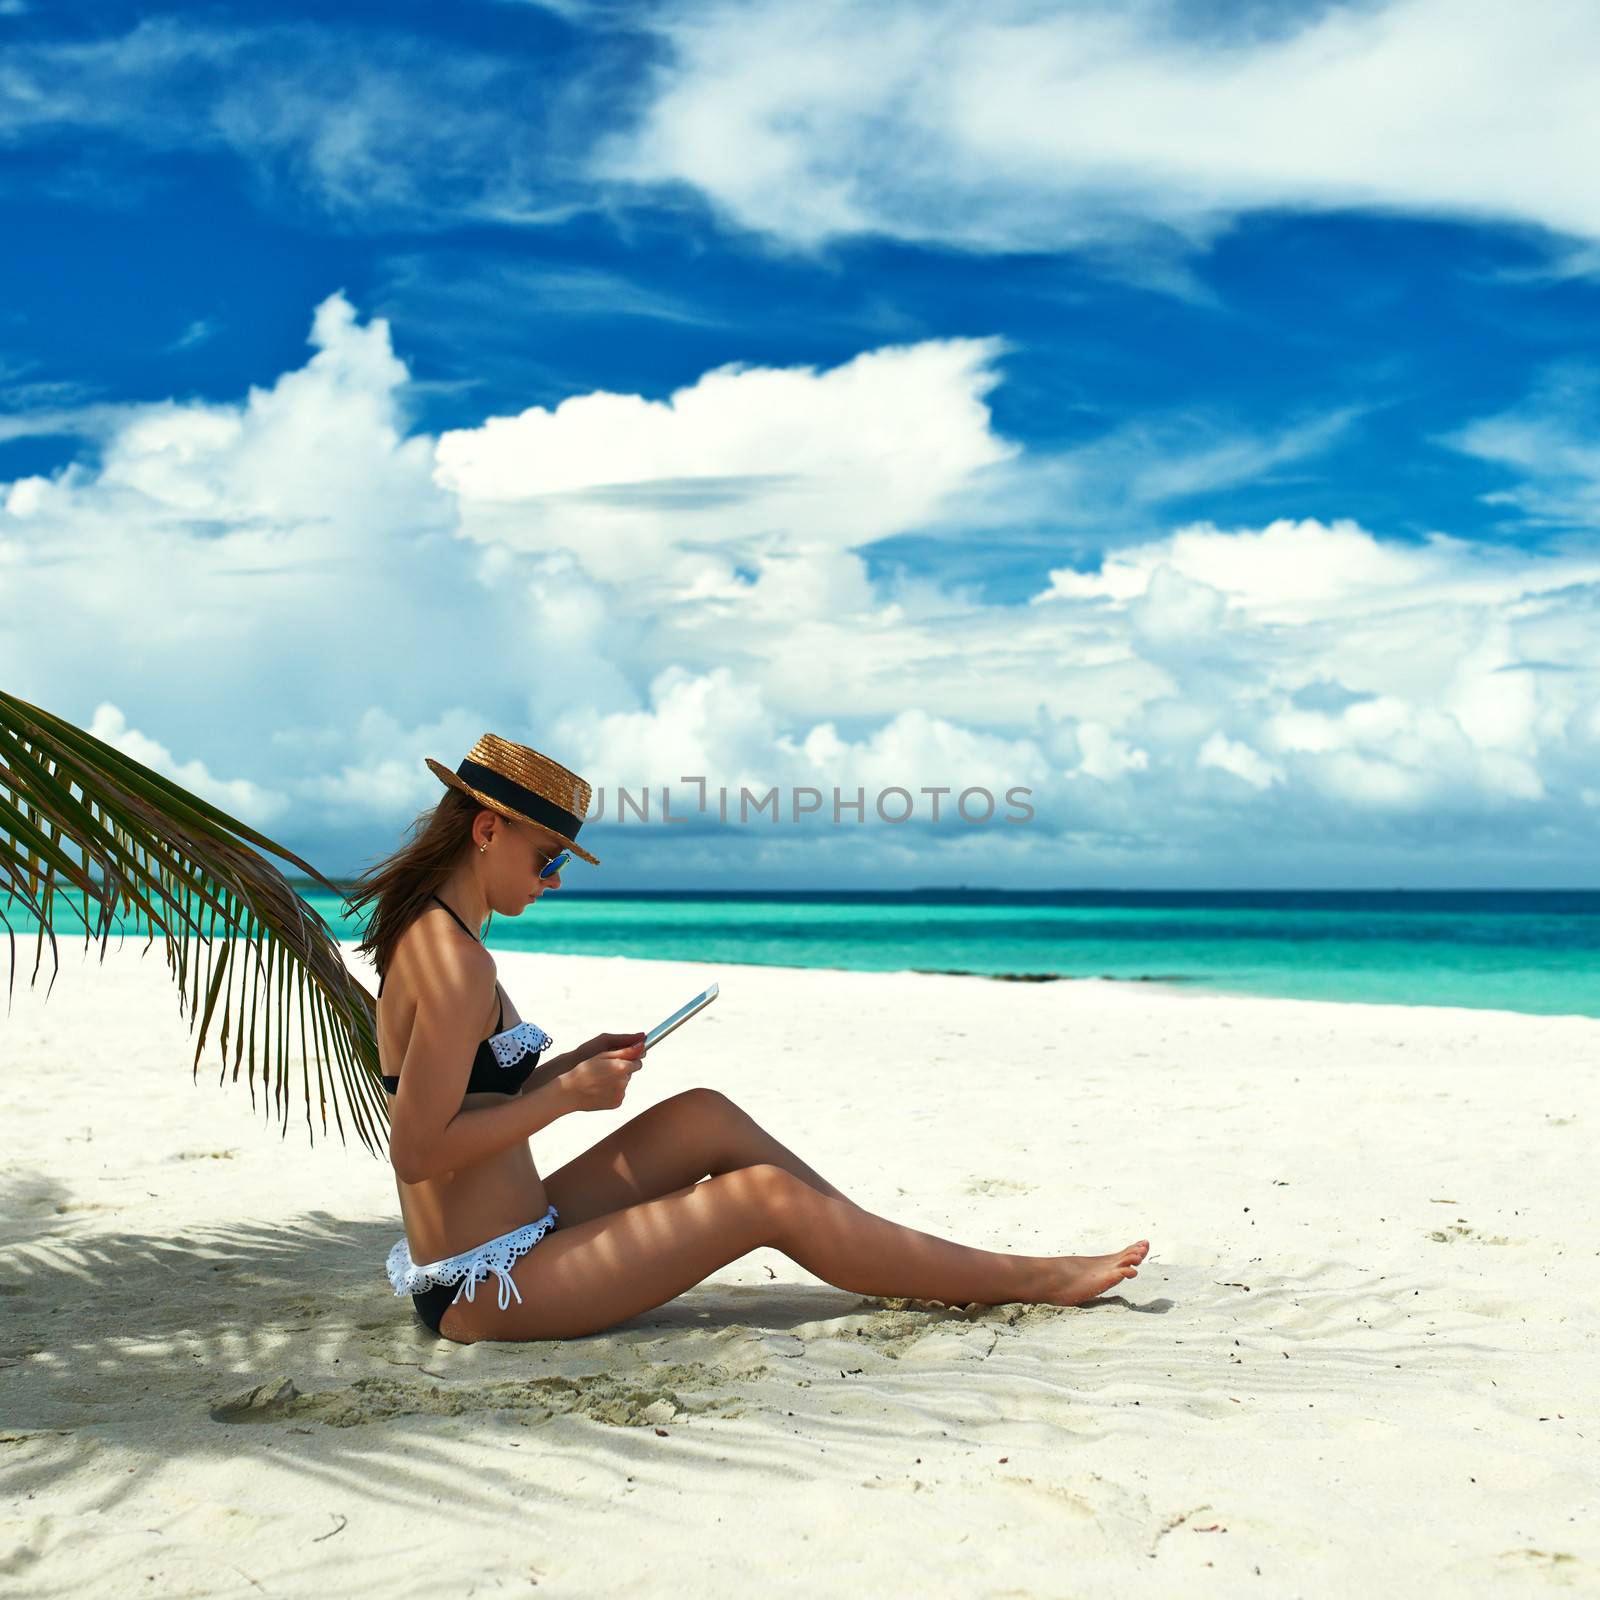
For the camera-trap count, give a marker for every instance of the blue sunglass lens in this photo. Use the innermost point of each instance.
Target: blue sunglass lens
(556, 864)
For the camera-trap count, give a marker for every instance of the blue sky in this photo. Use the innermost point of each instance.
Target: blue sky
(1188, 412)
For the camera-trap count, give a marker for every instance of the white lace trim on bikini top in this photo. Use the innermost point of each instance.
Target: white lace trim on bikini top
(512, 1045)
(470, 1266)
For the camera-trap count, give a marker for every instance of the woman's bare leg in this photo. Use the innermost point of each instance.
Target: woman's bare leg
(601, 1272)
(854, 1249)
(677, 1141)
(598, 1273)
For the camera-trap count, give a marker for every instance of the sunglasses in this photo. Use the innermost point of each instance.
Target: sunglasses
(555, 863)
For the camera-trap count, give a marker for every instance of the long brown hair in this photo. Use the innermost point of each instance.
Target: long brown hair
(402, 882)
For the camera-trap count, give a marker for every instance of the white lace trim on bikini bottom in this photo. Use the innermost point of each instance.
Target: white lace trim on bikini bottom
(472, 1266)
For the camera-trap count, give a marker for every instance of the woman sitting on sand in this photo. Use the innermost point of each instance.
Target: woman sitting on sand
(658, 1204)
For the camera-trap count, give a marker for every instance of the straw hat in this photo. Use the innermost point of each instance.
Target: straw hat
(519, 782)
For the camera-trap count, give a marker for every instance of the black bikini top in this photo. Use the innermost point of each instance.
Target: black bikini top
(506, 1059)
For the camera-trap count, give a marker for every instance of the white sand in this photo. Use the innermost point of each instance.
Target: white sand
(1362, 1353)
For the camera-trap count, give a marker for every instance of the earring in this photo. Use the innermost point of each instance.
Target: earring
(482, 848)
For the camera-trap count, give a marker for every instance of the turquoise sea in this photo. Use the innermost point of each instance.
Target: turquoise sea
(1535, 951)
(1532, 951)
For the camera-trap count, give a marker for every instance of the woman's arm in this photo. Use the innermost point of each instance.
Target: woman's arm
(552, 1067)
(430, 1132)
(475, 1133)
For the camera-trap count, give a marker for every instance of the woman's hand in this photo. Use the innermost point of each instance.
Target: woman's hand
(599, 1082)
(607, 1041)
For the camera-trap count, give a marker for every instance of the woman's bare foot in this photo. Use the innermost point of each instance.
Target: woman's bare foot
(1081, 1278)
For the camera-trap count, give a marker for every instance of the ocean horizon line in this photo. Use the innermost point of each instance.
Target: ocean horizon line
(977, 889)
(1530, 950)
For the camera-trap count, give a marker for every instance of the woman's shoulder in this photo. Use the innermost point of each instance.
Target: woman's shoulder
(434, 960)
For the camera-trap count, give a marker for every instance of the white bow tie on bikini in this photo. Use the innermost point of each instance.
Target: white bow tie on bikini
(470, 1267)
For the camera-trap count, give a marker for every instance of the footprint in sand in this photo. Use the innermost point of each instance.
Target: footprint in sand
(1558, 1567)
(1457, 1231)
(998, 1186)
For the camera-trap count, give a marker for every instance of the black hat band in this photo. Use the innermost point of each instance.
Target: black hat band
(511, 793)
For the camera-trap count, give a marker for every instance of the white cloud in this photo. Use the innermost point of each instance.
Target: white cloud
(376, 769)
(49, 417)
(1120, 480)
(240, 797)
(363, 123)
(253, 567)
(1173, 607)
(1105, 756)
(1446, 675)
(1140, 130)
(463, 289)
(201, 331)
(716, 745)
(1135, 134)
(1558, 260)
(282, 588)
(749, 457)
(1299, 572)
(1551, 441)
(1239, 759)
(715, 723)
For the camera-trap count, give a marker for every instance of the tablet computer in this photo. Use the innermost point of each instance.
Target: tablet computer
(679, 1017)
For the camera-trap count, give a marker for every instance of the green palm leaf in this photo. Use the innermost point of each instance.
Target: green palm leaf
(81, 820)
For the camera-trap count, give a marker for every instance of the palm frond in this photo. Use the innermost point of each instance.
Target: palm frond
(82, 821)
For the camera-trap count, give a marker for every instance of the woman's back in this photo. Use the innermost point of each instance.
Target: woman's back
(438, 1006)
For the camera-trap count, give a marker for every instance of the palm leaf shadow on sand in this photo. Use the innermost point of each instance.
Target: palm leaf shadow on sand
(283, 1339)
(250, 1337)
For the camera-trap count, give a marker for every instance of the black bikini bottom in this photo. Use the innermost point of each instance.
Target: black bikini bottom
(431, 1303)
(494, 1256)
